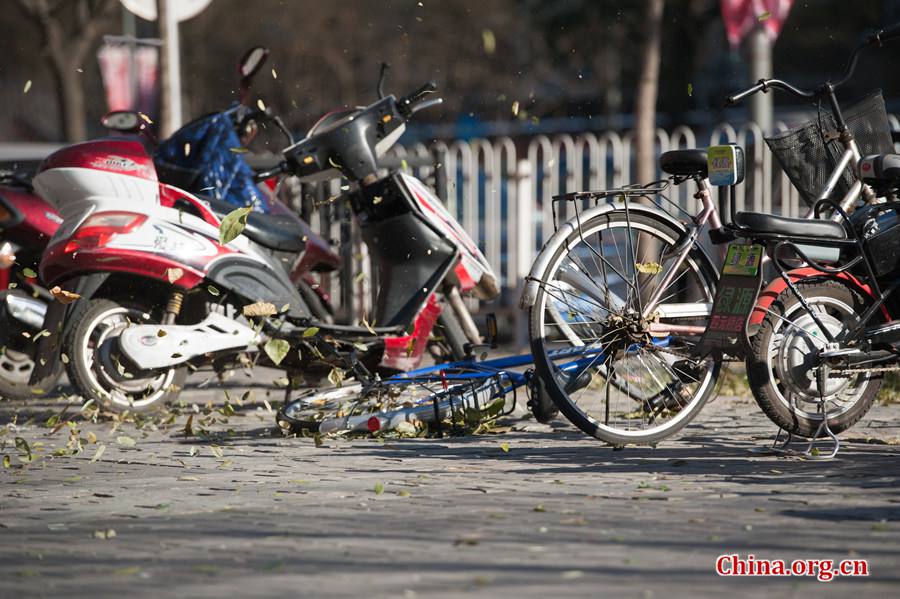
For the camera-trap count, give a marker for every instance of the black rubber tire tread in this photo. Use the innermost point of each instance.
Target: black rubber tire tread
(78, 375)
(454, 337)
(758, 370)
(543, 366)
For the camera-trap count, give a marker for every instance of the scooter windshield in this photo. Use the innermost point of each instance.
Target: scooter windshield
(205, 158)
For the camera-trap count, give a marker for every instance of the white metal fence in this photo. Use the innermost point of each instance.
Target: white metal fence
(500, 190)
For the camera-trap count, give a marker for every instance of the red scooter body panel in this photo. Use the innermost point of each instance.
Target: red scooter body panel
(774, 289)
(39, 221)
(406, 352)
(120, 155)
(58, 265)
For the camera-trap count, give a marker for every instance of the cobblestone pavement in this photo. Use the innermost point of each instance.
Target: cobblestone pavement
(557, 515)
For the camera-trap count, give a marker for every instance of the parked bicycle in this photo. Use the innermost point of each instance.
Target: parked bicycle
(633, 279)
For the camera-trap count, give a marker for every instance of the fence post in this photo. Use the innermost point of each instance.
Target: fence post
(522, 246)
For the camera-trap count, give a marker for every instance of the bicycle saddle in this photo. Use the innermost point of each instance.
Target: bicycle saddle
(684, 163)
(880, 168)
(759, 222)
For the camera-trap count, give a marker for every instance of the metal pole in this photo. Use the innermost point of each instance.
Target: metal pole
(129, 28)
(170, 67)
(761, 68)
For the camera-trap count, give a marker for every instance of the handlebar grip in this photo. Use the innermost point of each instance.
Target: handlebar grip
(883, 35)
(737, 97)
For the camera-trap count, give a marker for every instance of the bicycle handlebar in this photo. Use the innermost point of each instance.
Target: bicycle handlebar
(883, 35)
(764, 85)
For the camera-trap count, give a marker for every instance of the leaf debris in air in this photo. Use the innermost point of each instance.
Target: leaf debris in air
(173, 274)
(233, 224)
(63, 296)
(259, 309)
(277, 349)
(489, 40)
(27, 86)
(648, 268)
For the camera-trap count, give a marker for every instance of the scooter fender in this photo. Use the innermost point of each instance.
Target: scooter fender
(532, 281)
(59, 321)
(768, 295)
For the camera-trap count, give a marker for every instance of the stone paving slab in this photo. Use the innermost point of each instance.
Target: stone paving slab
(557, 515)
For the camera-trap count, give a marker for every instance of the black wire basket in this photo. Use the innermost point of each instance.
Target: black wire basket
(809, 153)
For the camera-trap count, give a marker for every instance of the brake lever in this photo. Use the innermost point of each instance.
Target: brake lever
(426, 104)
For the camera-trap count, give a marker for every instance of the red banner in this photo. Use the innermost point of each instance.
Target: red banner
(741, 16)
(127, 90)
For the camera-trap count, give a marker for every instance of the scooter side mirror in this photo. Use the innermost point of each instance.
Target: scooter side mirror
(126, 121)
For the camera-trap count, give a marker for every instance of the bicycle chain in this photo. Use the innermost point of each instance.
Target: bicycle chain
(878, 369)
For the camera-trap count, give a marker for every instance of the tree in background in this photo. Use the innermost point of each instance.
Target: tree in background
(69, 29)
(646, 95)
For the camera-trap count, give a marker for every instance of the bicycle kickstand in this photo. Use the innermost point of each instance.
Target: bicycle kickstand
(821, 375)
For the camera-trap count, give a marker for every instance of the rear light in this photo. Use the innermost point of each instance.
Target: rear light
(100, 228)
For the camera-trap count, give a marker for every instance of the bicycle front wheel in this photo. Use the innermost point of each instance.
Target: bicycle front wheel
(617, 371)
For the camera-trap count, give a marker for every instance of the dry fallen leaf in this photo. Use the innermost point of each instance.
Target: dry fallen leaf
(173, 274)
(63, 296)
(648, 268)
(260, 309)
(99, 453)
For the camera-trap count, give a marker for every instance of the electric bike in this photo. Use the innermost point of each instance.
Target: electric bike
(165, 292)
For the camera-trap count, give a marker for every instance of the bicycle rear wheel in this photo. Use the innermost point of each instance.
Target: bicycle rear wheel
(619, 376)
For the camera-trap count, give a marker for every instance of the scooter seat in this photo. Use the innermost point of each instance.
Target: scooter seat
(880, 168)
(760, 222)
(274, 231)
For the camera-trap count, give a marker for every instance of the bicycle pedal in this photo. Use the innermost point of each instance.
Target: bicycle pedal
(574, 382)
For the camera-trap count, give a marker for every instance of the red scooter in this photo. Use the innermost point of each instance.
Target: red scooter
(164, 292)
(27, 223)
